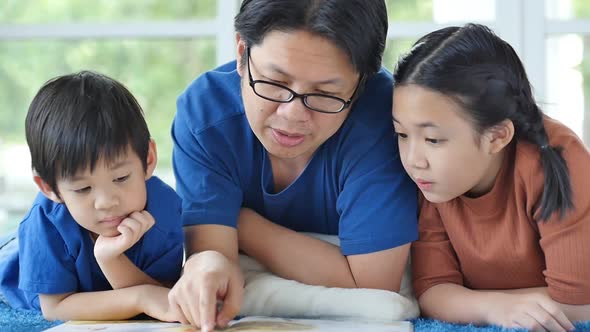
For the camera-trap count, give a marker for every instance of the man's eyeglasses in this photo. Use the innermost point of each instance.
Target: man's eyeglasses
(281, 94)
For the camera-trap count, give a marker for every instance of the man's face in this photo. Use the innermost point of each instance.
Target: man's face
(305, 63)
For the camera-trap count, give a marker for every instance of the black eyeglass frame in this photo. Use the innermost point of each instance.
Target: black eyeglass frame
(303, 96)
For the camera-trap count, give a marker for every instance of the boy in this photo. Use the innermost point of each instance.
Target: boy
(103, 239)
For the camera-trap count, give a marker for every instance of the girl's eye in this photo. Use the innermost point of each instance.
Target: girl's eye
(82, 190)
(402, 135)
(434, 141)
(122, 178)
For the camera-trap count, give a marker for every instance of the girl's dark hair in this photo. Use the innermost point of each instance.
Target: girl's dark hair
(358, 27)
(484, 75)
(75, 120)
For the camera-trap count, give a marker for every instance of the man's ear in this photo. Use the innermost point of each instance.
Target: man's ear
(499, 136)
(240, 49)
(152, 159)
(46, 189)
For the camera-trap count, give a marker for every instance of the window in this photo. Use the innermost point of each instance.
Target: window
(157, 47)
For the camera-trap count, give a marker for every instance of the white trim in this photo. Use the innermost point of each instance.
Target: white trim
(509, 23)
(570, 26)
(533, 56)
(226, 10)
(401, 30)
(175, 29)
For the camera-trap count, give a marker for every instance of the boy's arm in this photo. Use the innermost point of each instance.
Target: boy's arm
(110, 252)
(108, 305)
(122, 273)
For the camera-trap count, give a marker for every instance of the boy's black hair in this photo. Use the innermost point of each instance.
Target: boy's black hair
(485, 76)
(78, 119)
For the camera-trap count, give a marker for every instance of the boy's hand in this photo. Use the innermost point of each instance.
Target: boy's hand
(131, 228)
(153, 301)
(534, 312)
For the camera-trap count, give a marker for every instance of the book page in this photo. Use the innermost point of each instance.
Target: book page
(248, 324)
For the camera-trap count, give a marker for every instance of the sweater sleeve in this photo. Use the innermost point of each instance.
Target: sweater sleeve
(565, 241)
(434, 260)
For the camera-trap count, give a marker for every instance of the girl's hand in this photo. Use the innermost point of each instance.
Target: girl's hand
(131, 228)
(534, 312)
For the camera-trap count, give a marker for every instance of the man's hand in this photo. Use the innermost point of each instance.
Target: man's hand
(534, 312)
(208, 277)
(131, 228)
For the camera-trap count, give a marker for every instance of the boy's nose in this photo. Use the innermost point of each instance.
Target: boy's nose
(105, 201)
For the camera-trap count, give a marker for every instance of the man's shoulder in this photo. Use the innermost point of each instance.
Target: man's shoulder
(211, 98)
(374, 104)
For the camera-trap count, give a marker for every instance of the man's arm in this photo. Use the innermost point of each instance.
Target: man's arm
(211, 273)
(293, 255)
(108, 305)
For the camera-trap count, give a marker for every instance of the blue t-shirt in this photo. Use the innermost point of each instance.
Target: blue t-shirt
(354, 186)
(56, 255)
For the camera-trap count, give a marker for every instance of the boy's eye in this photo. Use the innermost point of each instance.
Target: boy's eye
(122, 178)
(82, 190)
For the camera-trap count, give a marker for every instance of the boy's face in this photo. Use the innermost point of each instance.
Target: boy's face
(100, 200)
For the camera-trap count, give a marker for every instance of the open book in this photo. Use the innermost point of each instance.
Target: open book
(248, 324)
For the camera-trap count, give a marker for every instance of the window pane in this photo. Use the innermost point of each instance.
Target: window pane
(409, 10)
(441, 11)
(568, 82)
(63, 11)
(394, 49)
(155, 71)
(567, 9)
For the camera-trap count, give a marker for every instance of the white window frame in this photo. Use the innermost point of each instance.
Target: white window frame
(521, 22)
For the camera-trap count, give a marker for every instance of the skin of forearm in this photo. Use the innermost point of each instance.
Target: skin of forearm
(106, 305)
(222, 239)
(122, 273)
(573, 312)
(292, 255)
(455, 303)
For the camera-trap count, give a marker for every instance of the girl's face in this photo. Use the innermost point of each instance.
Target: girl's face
(439, 147)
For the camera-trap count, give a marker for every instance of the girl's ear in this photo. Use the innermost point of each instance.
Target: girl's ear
(46, 189)
(499, 136)
(152, 159)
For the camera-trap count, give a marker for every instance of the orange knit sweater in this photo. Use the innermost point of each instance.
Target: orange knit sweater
(496, 241)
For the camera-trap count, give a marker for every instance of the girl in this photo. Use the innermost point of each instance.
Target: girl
(503, 234)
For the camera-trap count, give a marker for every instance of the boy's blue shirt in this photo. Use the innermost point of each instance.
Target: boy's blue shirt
(354, 186)
(56, 255)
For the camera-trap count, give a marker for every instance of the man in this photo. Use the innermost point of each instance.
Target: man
(295, 136)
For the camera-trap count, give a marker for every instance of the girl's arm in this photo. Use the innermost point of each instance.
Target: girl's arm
(530, 309)
(108, 305)
(573, 312)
